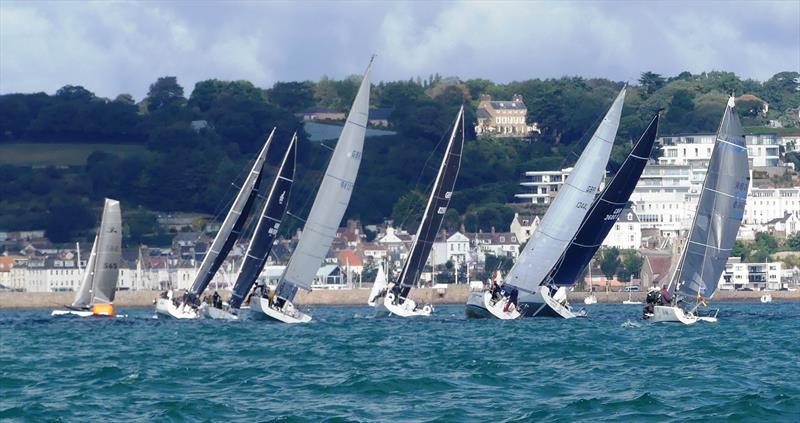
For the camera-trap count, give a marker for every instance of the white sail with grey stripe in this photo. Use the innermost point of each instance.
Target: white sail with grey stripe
(332, 198)
(568, 209)
(102, 270)
(719, 212)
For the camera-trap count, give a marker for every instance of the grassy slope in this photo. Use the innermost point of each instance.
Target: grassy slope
(23, 154)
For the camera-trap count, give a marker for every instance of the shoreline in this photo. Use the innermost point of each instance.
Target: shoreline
(454, 294)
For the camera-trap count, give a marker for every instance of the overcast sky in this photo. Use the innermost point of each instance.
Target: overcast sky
(113, 48)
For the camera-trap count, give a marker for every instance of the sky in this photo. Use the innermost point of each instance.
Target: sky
(122, 47)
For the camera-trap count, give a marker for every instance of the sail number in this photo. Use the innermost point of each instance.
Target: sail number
(581, 205)
(614, 215)
(111, 266)
(591, 188)
(355, 154)
(346, 185)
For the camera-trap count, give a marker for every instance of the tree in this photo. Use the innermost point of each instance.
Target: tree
(164, 92)
(609, 262)
(632, 262)
(793, 242)
(651, 82)
(408, 209)
(740, 249)
(292, 96)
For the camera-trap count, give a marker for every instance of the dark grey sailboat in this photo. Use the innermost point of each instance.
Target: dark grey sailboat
(716, 222)
(396, 301)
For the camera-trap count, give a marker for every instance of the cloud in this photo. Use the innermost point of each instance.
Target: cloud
(111, 48)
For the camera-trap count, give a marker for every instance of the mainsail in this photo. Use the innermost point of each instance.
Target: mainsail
(435, 210)
(332, 198)
(604, 211)
(379, 285)
(267, 226)
(568, 209)
(719, 212)
(231, 226)
(102, 271)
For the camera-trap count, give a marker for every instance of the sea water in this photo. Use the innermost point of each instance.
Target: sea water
(348, 366)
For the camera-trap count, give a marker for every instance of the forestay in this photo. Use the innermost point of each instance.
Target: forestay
(102, 271)
(332, 198)
(437, 205)
(232, 225)
(719, 212)
(604, 212)
(267, 227)
(568, 209)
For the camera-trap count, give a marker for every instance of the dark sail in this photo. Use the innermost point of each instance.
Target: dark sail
(435, 210)
(231, 227)
(267, 227)
(604, 212)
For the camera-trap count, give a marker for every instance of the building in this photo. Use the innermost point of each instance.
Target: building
(541, 186)
(784, 227)
(523, 226)
(499, 244)
(766, 204)
(503, 118)
(755, 276)
(626, 233)
(763, 149)
(380, 116)
(454, 248)
(320, 113)
(656, 270)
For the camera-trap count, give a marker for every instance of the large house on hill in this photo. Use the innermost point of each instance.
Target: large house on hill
(504, 118)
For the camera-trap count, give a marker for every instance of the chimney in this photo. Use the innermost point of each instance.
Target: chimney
(516, 97)
(485, 97)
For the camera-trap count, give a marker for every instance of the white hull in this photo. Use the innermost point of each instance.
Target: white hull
(678, 315)
(542, 304)
(217, 313)
(480, 306)
(166, 309)
(385, 307)
(766, 298)
(629, 302)
(261, 310)
(590, 300)
(77, 313)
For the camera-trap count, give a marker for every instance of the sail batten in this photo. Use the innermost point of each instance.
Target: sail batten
(232, 225)
(438, 202)
(331, 200)
(267, 227)
(569, 208)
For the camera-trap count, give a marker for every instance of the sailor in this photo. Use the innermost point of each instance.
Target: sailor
(512, 298)
(216, 300)
(270, 294)
(495, 290)
(666, 298)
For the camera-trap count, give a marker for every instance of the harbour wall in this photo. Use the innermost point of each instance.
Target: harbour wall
(455, 294)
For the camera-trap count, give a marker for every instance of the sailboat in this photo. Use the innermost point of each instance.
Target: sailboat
(558, 227)
(396, 301)
(591, 298)
(323, 220)
(630, 300)
(187, 307)
(713, 232)
(95, 297)
(378, 287)
(261, 242)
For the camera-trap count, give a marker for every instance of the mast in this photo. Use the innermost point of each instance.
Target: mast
(719, 212)
(437, 205)
(332, 198)
(267, 227)
(568, 209)
(231, 226)
(604, 212)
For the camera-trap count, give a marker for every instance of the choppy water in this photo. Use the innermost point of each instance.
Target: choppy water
(347, 366)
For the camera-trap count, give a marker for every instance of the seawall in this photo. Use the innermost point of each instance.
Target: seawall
(455, 294)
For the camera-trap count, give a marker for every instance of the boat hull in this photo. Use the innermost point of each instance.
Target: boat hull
(480, 306)
(590, 300)
(386, 307)
(261, 310)
(541, 304)
(670, 314)
(165, 308)
(97, 310)
(217, 313)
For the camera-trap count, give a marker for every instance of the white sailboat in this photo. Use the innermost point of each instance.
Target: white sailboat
(766, 298)
(378, 287)
(187, 307)
(323, 220)
(95, 297)
(396, 300)
(713, 232)
(558, 227)
(591, 299)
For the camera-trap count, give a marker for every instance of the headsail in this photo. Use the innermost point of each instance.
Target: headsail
(102, 271)
(232, 225)
(379, 285)
(719, 212)
(332, 198)
(568, 209)
(267, 226)
(435, 210)
(604, 211)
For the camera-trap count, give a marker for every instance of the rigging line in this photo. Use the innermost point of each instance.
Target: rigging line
(421, 206)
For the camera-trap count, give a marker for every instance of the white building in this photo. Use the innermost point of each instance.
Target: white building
(755, 276)
(543, 185)
(660, 197)
(523, 226)
(499, 244)
(626, 233)
(455, 248)
(695, 149)
(766, 204)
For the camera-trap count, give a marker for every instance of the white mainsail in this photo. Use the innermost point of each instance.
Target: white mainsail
(102, 272)
(332, 198)
(566, 212)
(381, 282)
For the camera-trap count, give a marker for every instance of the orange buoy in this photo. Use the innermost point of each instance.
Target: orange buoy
(103, 309)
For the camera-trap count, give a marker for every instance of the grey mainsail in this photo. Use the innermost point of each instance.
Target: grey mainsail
(433, 216)
(565, 214)
(231, 226)
(719, 212)
(267, 227)
(102, 271)
(332, 198)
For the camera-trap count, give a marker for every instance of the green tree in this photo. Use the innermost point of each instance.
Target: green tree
(407, 211)
(793, 242)
(651, 82)
(633, 262)
(609, 263)
(164, 92)
(741, 250)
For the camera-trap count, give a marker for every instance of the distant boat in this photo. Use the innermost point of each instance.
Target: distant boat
(323, 220)
(630, 301)
(591, 299)
(381, 281)
(260, 245)
(187, 307)
(713, 231)
(95, 297)
(766, 298)
(558, 227)
(396, 301)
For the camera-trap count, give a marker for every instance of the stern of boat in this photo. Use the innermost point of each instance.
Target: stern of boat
(260, 309)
